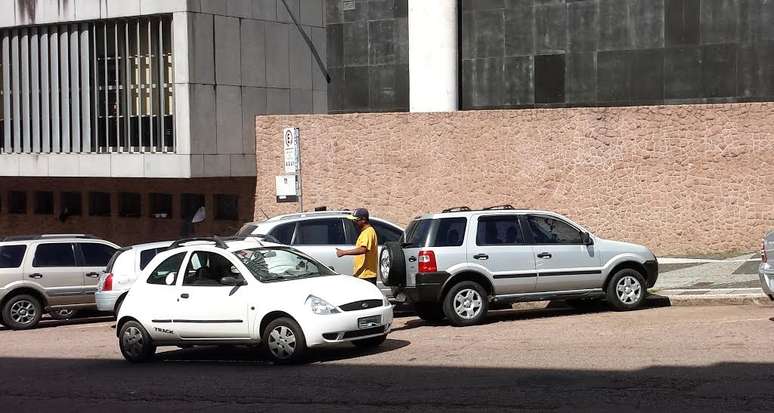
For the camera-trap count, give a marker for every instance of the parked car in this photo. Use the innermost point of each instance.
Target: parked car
(56, 273)
(766, 269)
(247, 292)
(121, 273)
(320, 233)
(458, 263)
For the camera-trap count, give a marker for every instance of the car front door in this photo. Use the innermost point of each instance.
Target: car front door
(54, 268)
(208, 309)
(501, 249)
(319, 238)
(563, 262)
(94, 258)
(161, 294)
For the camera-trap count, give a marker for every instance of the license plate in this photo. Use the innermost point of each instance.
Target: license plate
(369, 322)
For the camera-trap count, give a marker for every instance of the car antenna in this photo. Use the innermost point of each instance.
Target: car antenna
(264, 214)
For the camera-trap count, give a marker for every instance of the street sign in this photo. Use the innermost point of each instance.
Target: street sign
(290, 141)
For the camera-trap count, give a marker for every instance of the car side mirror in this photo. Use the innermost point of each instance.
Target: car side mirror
(232, 281)
(586, 238)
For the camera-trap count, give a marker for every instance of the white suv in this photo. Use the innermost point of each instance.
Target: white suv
(458, 263)
(211, 291)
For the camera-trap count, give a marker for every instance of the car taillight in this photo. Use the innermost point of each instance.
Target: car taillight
(108, 284)
(764, 256)
(427, 261)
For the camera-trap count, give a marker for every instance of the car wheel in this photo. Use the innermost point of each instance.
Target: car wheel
(63, 314)
(771, 297)
(626, 290)
(466, 304)
(392, 264)
(135, 342)
(22, 312)
(370, 342)
(283, 341)
(429, 311)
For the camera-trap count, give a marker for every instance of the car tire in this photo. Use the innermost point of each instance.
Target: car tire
(283, 341)
(135, 342)
(370, 342)
(429, 311)
(771, 297)
(392, 264)
(466, 304)
(626, 290)
(62, 314)
(22, 312)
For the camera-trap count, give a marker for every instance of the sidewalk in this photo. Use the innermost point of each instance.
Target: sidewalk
(698, 281)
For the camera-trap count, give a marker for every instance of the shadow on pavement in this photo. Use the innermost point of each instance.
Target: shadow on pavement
(48, 322)
(29, 384)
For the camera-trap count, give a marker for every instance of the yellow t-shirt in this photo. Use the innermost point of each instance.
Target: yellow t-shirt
(365, 264)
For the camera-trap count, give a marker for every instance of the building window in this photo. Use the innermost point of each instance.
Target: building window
(99, 204)
(129, 205)
(189, 204)
(44, 203)
(226, 207)
(104, 86)
(161, 206)
(17, 202)
(71, 203)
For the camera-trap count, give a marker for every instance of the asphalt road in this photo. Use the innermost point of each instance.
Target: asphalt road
(667, 359)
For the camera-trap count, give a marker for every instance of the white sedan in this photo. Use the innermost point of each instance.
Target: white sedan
(211, 291)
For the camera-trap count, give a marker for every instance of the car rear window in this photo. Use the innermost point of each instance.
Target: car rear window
(113, 259)
(284, 233)
(450, 232)
(11, 256)
(417, 232)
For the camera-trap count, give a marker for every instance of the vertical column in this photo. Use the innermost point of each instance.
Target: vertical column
(85, 89)
(64, 87)
(7, 137)
(95, 89)
(35, 88)
(122, 141)
(110, 142)
(162, 87)
(433, 62)
(127, 84)
(139, 89)
(16, 92)
(75, 88)
(152, 142)
(56, 92)
(45, 107)
(25, 91)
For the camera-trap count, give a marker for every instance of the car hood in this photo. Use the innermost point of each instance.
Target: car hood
(336, 289)
(612, 248)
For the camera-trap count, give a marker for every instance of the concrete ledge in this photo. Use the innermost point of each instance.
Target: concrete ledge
(709, 299)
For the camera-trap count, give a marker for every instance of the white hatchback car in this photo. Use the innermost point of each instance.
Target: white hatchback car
(211, 291)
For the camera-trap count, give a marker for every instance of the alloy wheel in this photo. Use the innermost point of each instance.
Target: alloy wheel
(468, 303)
(628, 289)
(23, 312)
(384, 263)
(133, 342)
(282, 342)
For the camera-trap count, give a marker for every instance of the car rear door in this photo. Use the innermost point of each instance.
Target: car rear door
(414, 240)
(11, 262)
(498, 247)
(93, 260)
(385, 232)
(319, 238)
(54, 268)
(562, 261)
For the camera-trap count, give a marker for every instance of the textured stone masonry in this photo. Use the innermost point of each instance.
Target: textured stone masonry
(692, 179)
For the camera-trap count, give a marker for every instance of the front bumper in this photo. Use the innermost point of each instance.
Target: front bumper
(343, 327)
(766, 274)
(428, 288)
(106, 300)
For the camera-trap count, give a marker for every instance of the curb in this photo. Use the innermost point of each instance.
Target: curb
(682, 299)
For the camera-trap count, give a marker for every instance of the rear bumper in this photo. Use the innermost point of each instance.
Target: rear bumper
(428, 288)
(651, 272)
(106, 300)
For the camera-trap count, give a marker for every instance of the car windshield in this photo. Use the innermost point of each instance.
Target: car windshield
(276, 264)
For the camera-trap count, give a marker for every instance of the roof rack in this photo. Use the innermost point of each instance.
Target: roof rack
(456, 209)
(259, 237)
(46, 236)
(217, 240)
(504, 206)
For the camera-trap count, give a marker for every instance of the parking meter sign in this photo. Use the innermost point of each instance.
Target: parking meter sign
(290, 141)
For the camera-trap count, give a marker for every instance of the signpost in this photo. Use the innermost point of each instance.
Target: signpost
(289, 184)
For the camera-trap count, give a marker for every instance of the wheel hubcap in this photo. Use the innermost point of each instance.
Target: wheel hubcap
(133, 341)
(384, 263)
(468, 303)
(23, 312)
(628, 289)
(282, 342)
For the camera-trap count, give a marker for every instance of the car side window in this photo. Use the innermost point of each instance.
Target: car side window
(206, 269)
(385, 233)
(147, 255)
(284, 232)
(499, 230)
(547, 230)
(170, 265)
(320, 232)
(96, 255)
(54, 255)
(11, 256)
(450, 233)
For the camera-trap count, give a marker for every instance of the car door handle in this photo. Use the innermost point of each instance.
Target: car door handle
(36, 275)
(412, 259)
(184, 295)
(481, 257)
(93, 275)
(544, 255)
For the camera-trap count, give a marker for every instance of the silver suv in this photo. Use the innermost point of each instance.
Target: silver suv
(54, 273)
(459, 263)
(318, 234)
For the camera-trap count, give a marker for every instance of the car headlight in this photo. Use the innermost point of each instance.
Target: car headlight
(320, 306)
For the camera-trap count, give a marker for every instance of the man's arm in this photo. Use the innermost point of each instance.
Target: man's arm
(354, 251)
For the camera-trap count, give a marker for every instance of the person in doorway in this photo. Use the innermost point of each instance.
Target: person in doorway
(366, 247)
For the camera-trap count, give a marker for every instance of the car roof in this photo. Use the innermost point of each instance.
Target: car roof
(301, 216)
(149, 245)
(53, 238)
(461, 214)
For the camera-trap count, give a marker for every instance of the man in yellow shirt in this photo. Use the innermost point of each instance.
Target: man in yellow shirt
(366, 247)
